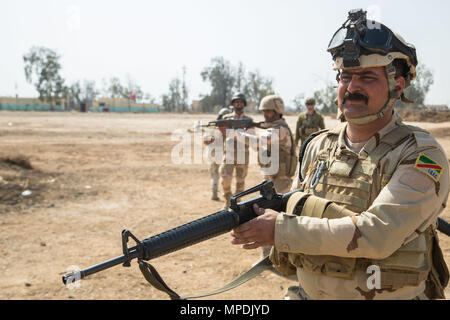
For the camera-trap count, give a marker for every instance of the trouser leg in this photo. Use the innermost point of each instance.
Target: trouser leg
(226, 174)
(214, 171)
(241, 173)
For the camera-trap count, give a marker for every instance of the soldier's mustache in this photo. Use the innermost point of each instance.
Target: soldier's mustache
(355, 97)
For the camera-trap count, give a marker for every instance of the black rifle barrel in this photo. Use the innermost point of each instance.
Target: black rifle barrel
(443, 226)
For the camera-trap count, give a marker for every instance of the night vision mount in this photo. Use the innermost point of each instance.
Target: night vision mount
(357, 26)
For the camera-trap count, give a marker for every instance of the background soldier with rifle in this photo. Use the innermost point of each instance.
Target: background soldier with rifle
(232, 160)
(273, 109)
(208, 139)
(278, 134)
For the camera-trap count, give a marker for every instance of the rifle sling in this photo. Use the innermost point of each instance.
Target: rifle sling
(152, 276)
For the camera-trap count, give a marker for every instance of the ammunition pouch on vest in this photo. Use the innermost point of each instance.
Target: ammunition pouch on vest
(439, 274)
(408, 266)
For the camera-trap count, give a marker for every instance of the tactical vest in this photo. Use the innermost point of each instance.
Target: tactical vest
(352, 181)
(287, 159)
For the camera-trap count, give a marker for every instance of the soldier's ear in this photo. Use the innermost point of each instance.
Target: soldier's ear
(401, 82)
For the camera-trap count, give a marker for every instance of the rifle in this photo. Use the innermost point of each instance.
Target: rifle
(236, 124)
(188, 234)
(195, 232)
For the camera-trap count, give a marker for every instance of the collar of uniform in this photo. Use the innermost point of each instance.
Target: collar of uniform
(236, 116)
(373, 142)
(279, 121)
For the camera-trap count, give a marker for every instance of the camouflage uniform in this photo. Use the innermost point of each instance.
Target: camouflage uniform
(306, 125)
(277, 135)
(208, 140)
(282, 181)
(229, 164)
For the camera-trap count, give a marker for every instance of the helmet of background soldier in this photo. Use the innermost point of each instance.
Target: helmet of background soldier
(272, 102)
(310, 101)
(362, 43)
(239, 96)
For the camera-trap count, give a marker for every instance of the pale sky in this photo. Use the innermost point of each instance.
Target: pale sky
(150, 41)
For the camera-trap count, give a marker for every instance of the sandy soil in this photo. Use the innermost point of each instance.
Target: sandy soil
(93, 176)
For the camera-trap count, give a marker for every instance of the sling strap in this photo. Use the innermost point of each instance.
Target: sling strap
(153, 277)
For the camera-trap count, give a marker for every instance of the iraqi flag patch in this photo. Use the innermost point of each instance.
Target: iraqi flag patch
(428, 166)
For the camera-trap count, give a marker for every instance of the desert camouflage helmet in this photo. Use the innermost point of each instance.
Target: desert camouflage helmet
(310, 101)
(272, 102)
(239, 96)
(362, 43)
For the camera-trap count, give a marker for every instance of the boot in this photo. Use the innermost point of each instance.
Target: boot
(214, 196)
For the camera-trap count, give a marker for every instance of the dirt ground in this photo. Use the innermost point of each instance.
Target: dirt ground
(93, 175)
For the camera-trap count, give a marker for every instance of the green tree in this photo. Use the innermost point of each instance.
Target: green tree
(241, 80)
(257, 86)
(115, 89)
(42, 67)
(112, 88)
(74, 92)
(184, 92)
(225, 80)
(131, 88)
(173, 100)
(299, 102)
(326, 97)
(82, 93)
(221, 77)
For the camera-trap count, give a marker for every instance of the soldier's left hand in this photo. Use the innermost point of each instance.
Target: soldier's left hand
(257, 232)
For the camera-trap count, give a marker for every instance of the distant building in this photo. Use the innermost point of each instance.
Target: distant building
(122, 105)
(99, 105)
(30, 104)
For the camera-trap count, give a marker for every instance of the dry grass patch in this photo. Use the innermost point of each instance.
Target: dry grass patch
(19, 160)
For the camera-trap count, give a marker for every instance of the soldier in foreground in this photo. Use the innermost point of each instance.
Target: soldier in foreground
(308, 122)
(364, 226)
(234, 159)
(208, 140)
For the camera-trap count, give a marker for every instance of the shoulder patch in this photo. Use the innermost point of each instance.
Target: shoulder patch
(428, 166)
